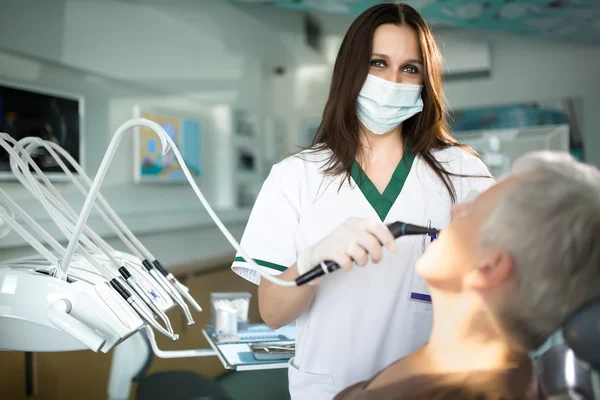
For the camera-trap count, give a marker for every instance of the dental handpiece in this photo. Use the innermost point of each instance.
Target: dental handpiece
(143, 312)
(168, 287)
(135, 285)
(397, 229)
(179, 286)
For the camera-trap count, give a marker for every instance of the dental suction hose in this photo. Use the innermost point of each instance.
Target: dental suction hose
(397, 229)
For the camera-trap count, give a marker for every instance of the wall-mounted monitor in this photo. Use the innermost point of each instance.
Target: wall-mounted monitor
(50, 115)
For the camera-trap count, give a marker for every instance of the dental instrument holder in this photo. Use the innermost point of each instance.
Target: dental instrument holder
(182, 289)
(168, 287)
(145, 314)
(134, 284)
(397, 229)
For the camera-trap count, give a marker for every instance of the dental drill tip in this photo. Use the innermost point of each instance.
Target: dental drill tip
(175, 337)
(190, 323)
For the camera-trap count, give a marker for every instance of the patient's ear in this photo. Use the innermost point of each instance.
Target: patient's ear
(494, 271)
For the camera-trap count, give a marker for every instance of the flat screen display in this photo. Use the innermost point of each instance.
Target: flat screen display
(27, 112)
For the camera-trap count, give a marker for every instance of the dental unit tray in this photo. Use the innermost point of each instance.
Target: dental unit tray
(268, 351)
(252, 334)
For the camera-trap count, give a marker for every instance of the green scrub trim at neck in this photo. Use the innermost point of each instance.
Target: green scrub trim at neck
(383, 202)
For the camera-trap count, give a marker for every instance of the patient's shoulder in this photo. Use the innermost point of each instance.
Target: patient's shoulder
(517, 384)
(413, 388)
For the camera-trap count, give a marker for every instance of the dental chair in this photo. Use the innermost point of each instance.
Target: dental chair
(569, 370)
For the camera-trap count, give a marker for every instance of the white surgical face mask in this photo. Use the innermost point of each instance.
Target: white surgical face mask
(384, 105)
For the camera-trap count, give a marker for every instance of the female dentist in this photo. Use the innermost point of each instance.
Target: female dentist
(382, 153)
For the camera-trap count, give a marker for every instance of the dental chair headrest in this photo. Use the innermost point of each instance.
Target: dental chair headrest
(582, 333)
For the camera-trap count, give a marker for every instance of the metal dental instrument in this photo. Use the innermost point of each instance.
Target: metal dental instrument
(134, 284)
(142, 312)
(168, 287)
(184, 291)
(398, 229)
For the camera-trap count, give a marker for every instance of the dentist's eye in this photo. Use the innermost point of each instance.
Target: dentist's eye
(378, 63)
(411, 69)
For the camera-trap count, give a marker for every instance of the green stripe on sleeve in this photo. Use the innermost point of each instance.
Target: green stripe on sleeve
(263, 264)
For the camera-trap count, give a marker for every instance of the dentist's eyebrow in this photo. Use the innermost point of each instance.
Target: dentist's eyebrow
(379, 55)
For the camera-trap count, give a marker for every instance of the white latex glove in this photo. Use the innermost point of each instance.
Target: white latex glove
(354, 241)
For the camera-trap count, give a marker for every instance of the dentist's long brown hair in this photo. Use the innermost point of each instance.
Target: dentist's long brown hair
(339, 129)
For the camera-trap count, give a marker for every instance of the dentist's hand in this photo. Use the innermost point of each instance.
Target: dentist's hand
(354, 241)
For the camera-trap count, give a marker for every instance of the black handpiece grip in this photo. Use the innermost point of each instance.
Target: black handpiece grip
(125, 273)
(160, 268)
(120, 289)
(403, 229)
(148, 265)
(316, 272)
(397, 229)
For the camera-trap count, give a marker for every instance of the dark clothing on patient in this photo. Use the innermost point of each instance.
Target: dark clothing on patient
(513, 384)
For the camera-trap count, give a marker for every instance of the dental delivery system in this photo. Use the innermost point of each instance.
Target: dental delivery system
(96, 295)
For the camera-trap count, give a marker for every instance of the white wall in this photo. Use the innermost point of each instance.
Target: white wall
(527, 69)
(179, 46)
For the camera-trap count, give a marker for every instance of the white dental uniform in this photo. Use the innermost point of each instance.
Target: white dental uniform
(362, 320)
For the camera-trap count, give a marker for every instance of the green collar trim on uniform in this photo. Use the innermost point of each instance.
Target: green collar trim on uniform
(383, 202)
(263, 264)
